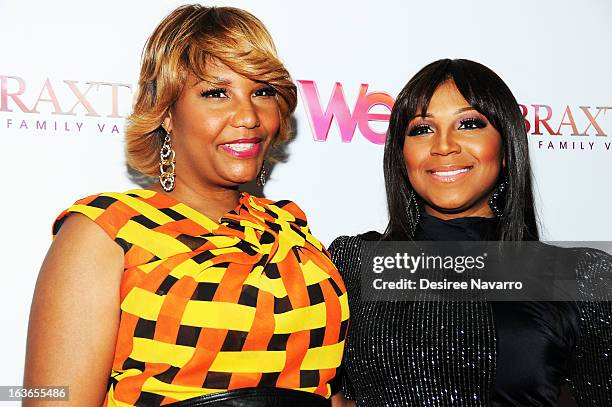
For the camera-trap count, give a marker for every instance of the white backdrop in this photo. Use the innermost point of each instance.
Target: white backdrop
(554, 54)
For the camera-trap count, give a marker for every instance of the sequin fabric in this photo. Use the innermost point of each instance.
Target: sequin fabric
(444, 353)
(590, 378)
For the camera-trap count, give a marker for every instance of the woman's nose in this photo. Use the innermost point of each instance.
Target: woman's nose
(245, 115)
(444, 143)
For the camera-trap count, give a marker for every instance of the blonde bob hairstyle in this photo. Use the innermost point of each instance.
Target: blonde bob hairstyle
(183, 42)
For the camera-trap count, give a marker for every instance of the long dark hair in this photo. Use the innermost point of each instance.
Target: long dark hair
(489, 95)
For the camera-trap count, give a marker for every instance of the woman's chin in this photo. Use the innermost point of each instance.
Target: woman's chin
(449, 205)
(238, 174)
(449, 208)
(239, 179)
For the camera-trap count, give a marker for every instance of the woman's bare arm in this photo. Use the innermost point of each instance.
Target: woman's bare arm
(75, 314)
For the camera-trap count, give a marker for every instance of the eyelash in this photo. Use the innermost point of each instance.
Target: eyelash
(269, 90)
(216, 92)
(213, 92)
(475, 122)
(418, 130)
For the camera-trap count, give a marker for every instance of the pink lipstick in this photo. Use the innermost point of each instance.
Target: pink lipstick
(450, 173)
(243, 148)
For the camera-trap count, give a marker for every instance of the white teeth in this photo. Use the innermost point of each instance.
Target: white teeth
(450, 173)
(240, 146)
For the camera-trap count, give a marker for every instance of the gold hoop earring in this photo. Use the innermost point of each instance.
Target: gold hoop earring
(167, 165)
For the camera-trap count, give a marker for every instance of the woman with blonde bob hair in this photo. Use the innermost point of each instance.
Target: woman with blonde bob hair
(190, 292)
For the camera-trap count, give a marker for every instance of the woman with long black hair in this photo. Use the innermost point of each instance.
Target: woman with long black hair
(457, 168)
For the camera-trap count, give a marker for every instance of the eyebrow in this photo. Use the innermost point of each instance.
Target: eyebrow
(464, 109)
(218, 81)
(221, 81)
(460, 110)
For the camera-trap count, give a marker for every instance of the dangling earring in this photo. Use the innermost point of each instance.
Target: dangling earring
(167, 165)
(496, 200)
(261, 177)
(413, 211)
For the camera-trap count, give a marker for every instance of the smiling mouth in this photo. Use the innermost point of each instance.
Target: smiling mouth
(450, 174)
(243, 148)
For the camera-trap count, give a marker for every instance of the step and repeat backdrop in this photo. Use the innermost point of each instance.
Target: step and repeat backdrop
(68, 74)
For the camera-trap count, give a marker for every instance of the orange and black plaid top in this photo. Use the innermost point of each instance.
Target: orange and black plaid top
(206, 307)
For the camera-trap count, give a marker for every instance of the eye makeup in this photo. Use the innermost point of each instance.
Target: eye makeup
(472, 123)
(466, 123)
(214, 93)
(266, 91)
(419, 129)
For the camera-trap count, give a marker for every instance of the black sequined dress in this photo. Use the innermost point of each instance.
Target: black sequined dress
(475, 353)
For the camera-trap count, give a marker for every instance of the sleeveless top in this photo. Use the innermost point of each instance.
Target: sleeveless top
(251, 301)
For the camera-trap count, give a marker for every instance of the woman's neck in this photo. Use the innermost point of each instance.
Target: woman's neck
(213, 202)
(481, 210)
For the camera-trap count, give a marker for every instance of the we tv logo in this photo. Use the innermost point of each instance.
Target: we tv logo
(320, 120)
